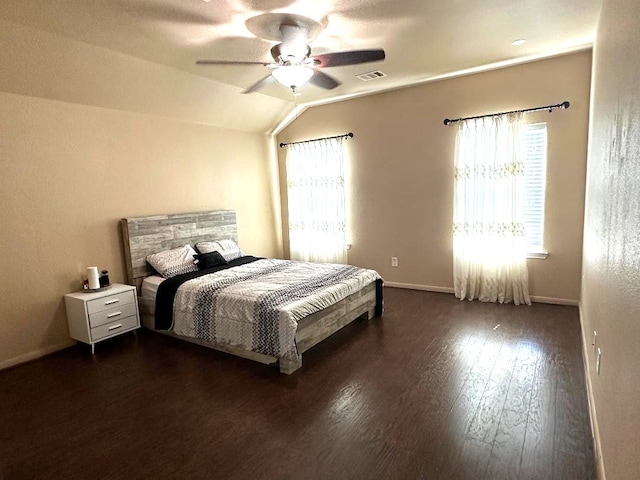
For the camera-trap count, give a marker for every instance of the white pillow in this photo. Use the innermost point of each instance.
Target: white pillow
(227, 248)
(173, 262)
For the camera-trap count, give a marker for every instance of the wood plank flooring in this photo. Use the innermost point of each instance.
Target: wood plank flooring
(436, 389)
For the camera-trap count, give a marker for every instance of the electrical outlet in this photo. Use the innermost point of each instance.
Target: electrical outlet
(595, 341)
(598, 357)
(394, 261)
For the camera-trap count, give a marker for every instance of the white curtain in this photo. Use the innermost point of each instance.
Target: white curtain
(489, 243)
(316, 196)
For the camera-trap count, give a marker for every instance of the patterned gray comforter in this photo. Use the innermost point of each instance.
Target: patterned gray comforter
(257, 306)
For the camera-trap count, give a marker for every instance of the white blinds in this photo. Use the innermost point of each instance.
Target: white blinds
(535, 173)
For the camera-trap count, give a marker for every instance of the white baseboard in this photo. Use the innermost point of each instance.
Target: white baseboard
(27, 357)
(426, 288)
(554, 301)
(431, 288)
(595, 431)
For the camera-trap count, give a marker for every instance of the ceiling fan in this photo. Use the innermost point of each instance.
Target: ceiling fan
(293, 65)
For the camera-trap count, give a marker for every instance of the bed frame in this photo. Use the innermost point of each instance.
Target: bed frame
(145, 235)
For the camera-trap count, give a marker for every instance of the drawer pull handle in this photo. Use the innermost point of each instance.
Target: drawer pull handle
(115, 314)
(115, 327)
(111, 302)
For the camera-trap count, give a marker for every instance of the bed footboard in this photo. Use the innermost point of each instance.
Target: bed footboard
(315, 328)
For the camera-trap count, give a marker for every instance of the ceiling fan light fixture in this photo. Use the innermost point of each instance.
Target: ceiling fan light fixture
(292, 76)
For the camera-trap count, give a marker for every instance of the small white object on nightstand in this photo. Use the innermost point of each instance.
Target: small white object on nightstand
(96, 316)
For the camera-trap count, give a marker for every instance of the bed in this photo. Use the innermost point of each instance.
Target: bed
(306, 322)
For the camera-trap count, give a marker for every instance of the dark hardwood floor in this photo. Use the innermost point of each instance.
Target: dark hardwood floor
(437, 389)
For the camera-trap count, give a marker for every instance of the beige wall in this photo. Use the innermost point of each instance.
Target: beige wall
(401, 184)
(73, 161)
(610, 299)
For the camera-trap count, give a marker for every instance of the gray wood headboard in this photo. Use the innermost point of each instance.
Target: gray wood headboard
(143, 236)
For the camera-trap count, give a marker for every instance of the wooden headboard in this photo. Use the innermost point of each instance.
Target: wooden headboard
(143, 236)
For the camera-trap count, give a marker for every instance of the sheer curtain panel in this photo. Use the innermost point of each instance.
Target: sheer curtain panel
(316, 197)
(489, 242)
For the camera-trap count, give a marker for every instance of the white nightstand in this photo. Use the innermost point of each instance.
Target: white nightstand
(96, 316)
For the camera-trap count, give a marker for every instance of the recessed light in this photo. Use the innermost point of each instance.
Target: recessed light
(517, 43)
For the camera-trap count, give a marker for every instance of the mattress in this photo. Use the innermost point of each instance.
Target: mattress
(150, 286)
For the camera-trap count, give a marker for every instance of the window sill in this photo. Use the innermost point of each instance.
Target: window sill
(538, 255)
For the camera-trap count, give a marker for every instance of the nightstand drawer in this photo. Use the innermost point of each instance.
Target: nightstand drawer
(114, 328)
(111, 315)
(111, 301)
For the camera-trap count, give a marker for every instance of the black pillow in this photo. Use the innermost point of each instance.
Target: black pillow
(208, 260)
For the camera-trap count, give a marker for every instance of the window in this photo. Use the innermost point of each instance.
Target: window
(489, 229)
(535, 141)
(316, 198)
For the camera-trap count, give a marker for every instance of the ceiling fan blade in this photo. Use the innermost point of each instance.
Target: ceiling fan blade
(230, 62)
(260, 83)
(322, 80)
(354, 57)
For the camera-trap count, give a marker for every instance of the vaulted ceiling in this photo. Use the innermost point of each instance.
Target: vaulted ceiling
(423, 39)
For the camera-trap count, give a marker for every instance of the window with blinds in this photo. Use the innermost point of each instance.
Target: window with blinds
(535, 140)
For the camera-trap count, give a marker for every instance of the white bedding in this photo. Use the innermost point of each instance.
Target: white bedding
(150, 287)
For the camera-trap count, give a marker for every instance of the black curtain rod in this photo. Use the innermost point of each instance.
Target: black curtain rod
(350, 135)
(563, 105)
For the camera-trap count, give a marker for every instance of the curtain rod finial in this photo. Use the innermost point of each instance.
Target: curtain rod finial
(565, 104)
(447, 121)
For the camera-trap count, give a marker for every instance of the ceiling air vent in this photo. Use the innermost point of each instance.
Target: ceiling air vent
(365, 77)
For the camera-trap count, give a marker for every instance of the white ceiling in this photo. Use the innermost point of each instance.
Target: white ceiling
(423, 39)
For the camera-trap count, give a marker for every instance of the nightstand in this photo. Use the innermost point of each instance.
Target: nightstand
(96, 316)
